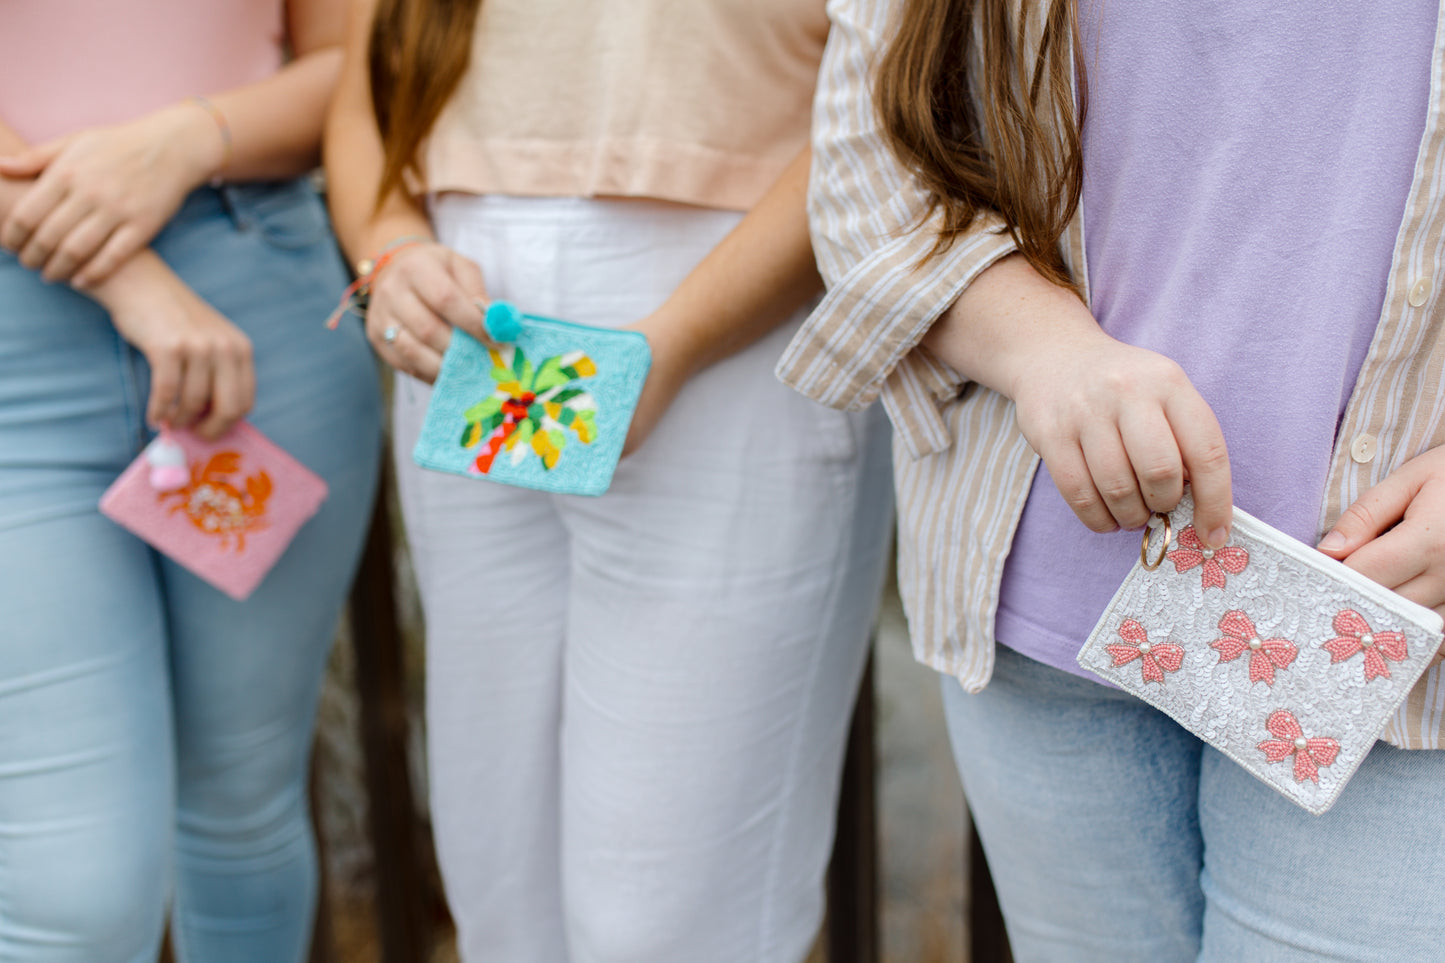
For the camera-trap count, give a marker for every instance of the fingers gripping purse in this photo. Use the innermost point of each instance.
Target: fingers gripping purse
(1280, 657)
(544, 404)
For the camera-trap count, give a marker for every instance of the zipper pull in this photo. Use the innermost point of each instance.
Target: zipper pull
(503, 322)
(167, 460)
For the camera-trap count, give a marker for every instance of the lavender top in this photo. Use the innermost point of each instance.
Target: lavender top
(1246, 168)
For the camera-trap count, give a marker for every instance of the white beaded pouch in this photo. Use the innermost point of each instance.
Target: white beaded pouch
(1275, 654)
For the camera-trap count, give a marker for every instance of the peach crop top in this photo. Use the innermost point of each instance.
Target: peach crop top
(66, 65)
(698, 101)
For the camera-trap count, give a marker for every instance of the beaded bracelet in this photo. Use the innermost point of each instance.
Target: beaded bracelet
(357, 295)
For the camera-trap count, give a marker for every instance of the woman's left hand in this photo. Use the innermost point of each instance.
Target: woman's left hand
(672, 366)
(101, 195)
(1395, 532)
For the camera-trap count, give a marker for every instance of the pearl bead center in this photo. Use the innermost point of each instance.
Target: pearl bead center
(1144, 648)
(1299, 743)
(1367, 640)
(1208, 554)
(1255, 643)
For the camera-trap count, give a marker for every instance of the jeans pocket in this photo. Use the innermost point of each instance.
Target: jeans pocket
(286, 214)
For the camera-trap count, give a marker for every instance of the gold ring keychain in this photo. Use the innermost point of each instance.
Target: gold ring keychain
(1144, 546)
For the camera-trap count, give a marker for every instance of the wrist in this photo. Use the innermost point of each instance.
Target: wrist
(673, 344)
(194, 143)
(1013, 326)
(376, 236)
(131, 285)
(206, 133)
(1048, 359)
(357, 296)
(371, 265)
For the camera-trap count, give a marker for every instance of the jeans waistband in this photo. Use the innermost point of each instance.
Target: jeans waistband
(238, 200)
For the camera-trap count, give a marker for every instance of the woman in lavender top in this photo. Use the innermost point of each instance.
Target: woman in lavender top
(1186, 244)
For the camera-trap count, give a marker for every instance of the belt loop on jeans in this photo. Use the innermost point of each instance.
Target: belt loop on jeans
(226, 194)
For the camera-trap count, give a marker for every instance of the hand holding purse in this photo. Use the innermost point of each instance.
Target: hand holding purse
(543, 404)
(225, 509)
(1279, 656)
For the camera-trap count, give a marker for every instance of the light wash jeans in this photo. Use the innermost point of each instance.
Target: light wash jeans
(637, 704)
(1114, 835)
(154, 734)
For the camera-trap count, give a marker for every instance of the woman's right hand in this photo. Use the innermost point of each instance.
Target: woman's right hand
(1121, 429)
(424, 290)
(202, 376)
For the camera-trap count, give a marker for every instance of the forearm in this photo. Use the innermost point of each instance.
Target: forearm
(758, 276)
(992, 332)
(353, 156)
(275, 123)
(353, 170)
(273, 127)
(130, 283)
(136, 280)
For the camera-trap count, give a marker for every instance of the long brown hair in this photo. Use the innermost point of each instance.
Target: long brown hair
(417, 54)
(983, 125)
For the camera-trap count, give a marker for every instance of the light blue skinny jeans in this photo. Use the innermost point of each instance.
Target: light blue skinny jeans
(1116, 836)
(154, 734)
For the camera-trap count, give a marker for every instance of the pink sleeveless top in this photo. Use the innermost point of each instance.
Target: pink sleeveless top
(66, 65)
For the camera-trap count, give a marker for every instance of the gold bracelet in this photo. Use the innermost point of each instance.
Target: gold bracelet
(222, 125)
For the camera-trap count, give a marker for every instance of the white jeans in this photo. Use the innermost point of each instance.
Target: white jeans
(637, 704)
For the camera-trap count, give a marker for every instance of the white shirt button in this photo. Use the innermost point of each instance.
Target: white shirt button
(1363, 448)
(1420, 292)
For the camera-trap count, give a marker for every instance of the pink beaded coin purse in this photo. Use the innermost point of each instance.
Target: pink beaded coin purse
(226, 510)
(1275, 654)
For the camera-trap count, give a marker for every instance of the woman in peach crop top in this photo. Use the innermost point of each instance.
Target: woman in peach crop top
(154, 733)
(637, 703)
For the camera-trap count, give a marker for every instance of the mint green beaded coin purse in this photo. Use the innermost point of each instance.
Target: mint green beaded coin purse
(546, 404)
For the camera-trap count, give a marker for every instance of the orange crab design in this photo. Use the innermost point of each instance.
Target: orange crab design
(219, 508)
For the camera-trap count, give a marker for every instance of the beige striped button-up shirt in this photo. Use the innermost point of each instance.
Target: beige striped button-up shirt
(962, 468)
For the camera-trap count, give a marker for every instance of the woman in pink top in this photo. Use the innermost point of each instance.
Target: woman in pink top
(636, 703)
(154, 733)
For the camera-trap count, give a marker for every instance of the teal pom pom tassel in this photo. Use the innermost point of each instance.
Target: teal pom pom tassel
(503, 321)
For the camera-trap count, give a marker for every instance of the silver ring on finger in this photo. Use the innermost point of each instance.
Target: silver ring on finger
(389, 335)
